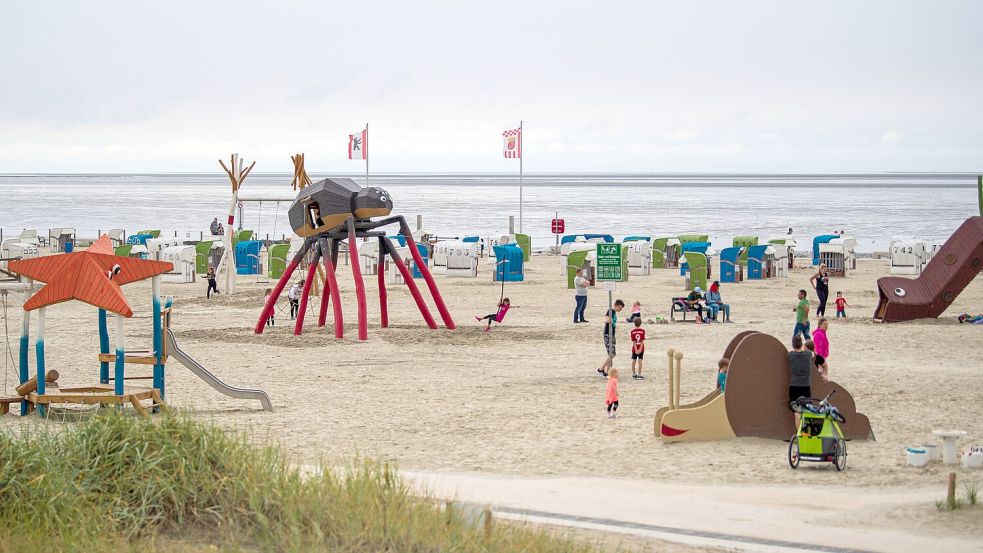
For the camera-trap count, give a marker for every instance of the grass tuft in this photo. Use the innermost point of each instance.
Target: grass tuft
(117, 483)
(972, 493)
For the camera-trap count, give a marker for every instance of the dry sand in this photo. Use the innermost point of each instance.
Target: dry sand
(525, 398)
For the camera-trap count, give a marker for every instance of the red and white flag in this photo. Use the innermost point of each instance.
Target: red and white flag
(512, 144)
(358, 145)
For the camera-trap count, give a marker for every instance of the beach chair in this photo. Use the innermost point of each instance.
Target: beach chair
(745, 242)
(731, 269)
(697, 271)
(29, 236)
(116, 236)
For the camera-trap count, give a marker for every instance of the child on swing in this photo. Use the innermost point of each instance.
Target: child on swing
(503, 308)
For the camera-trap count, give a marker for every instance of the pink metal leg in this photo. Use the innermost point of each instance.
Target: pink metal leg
(278, 289)
(408, 279)
(332, 282)
(325, 294)
(425, 271)
(383, 297)
(363, 332)
(311, 274)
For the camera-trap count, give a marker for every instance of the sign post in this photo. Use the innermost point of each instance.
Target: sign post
(608, 271)
(558, 227)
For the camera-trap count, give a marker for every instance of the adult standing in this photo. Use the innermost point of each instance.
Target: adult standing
(580, 294)
(820, 281)
(800, 365)
(213, 228)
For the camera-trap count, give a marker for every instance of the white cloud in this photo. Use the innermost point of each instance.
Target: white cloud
(892, 136)
(682, 136)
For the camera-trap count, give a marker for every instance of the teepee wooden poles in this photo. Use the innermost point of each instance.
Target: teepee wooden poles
(237, 174)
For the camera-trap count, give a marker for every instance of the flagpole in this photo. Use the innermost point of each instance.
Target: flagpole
(366, 151)
(520, 177)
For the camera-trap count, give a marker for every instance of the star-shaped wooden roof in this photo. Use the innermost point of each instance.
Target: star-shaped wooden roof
(90, 276)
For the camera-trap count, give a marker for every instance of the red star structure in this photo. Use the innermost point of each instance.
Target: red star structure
(93, 276)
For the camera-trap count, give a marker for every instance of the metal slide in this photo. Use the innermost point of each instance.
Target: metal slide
(201, 372)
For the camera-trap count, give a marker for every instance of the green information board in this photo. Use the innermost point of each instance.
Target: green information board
(609, 262)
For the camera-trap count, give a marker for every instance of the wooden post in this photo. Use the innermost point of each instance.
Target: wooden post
(489, 523)
(677, 377)
(950, 497)
(672, 404)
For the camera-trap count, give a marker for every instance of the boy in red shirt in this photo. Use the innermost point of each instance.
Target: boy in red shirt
(637, 349)
(840, 305)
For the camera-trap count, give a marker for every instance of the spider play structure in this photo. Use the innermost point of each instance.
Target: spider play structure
(335, 209)
(95, 276)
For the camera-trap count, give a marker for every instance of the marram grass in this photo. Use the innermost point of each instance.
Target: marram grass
(120, 483)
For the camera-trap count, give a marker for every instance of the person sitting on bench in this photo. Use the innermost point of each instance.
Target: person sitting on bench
(694, 301)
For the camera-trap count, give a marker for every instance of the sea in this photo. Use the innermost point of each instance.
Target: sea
(875, 207)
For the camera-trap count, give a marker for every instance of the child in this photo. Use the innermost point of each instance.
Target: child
(820, 339)
(503, 308)
(293, 296)
(610, 338)
(212, 283)
(801, 311)
(722, 367)
(637, 335)
(819, 361)
(840, 305)
(269, 320)
(611, 394)
(636, 312)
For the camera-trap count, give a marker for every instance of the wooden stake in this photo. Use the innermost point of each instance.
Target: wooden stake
(950, 497)
(487, 515)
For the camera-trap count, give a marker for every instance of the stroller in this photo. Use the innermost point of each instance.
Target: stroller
(819, 438)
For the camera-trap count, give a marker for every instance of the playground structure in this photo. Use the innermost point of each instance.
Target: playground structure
(756, 400)
(838, 255)
(95, 276)
(951, 269)
(331, 210)
(237, 175)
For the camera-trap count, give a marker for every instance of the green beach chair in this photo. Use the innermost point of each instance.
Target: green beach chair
(152, 233)
(241, 236)
(745, 242)
(575, 260)
(278, 259)
(697, 263)
(687, 238)
(525, 242)
(124, 250)
(202, 253)
(659, 252)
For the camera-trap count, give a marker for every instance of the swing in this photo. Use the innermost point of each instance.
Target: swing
(262, 277)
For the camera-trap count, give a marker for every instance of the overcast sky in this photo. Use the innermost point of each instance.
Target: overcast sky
(134, 86)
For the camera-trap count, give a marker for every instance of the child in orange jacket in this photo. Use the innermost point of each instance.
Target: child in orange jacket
(611, 394)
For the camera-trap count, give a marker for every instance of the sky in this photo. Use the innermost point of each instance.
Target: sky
(648, 86)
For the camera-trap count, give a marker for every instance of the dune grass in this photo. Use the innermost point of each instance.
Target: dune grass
(121, 483)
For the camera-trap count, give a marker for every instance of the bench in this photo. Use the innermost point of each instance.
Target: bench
(681, 305)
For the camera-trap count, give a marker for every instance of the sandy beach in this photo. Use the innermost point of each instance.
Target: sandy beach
(524, 399)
